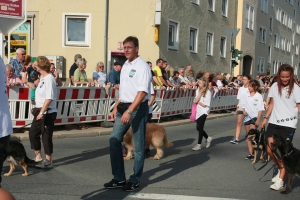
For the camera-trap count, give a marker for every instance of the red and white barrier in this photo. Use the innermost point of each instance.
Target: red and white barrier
(93, 104)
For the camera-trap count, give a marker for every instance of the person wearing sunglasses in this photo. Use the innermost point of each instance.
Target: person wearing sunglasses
(99, 75)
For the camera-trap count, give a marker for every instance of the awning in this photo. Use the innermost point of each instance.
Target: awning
(117, 53)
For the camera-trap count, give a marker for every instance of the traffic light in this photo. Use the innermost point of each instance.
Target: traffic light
(236, 56)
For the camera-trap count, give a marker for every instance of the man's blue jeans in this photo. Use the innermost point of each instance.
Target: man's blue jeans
(138, 122)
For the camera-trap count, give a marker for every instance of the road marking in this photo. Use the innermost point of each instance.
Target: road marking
(172, 197)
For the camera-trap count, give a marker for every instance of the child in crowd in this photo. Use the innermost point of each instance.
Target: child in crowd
(252, 104)
(203, 98)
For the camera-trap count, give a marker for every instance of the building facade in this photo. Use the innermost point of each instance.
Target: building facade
(273, 27)
(181, 32)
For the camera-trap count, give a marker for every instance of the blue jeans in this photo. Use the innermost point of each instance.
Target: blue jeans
(138, 122)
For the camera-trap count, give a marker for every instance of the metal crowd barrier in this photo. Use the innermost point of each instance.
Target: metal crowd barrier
(92, 104)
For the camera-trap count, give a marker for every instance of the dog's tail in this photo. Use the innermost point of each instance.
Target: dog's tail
(166, 143)
(30, 163)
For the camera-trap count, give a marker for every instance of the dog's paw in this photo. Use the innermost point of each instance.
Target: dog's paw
(156, 157)
(127, 158)
(253, 162)
(7, 174)
(25, 174)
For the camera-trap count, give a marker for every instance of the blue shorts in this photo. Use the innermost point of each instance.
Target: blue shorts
(251, 121)
(285, 132)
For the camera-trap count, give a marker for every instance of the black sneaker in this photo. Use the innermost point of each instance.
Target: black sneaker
(115, 184)
(250, 157)
(131, 187)
(147, 153)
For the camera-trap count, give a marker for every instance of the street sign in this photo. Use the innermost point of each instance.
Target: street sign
(11, 8)
(232, 33)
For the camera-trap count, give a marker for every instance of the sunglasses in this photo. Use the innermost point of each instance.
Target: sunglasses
(101, 66)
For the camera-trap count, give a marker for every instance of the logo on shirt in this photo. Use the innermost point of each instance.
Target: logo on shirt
(132, 73)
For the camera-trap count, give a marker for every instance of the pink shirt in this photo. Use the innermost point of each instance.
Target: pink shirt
(13, 79)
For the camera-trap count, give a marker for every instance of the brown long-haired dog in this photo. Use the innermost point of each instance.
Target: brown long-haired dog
(155, 135)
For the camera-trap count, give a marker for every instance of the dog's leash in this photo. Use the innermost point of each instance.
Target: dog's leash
(21, 127)
(262, 134)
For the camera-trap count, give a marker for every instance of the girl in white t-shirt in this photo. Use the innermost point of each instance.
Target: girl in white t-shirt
(252, 104)
(283, 113)
(203, 98)
(239, 112)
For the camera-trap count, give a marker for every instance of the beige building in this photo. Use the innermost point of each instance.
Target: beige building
(273, 26)
(182, 32)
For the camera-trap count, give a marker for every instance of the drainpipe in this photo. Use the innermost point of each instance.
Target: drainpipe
(106, 35)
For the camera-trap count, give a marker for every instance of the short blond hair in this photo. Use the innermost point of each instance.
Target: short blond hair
(99, 64)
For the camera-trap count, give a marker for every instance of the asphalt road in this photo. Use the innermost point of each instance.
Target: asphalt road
(82, 166)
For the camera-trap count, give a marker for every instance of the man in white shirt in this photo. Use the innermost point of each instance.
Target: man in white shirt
(5, 118)
(131, 109)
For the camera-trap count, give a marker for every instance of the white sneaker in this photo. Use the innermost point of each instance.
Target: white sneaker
(276, 177)
(208, 141)
(197, 147)
(278, 185)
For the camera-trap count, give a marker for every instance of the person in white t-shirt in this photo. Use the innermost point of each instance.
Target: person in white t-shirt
(283, 113)
(239, 112)
(5, 117)
(43, 122)
(203, 99)
(252, 104)
(131, 109)
(99, 75)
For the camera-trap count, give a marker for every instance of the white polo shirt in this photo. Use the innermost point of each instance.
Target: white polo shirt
(46, 90)
(135, 77)
(252, 105)
(242, 92)
(206, 100)
(285, 110)
(5, 118)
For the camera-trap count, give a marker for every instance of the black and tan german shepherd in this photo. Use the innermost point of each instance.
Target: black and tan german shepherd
(290, 157)
(17, 156)
(258, 143)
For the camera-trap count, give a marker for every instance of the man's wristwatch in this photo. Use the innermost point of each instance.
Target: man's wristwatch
(41, 113)
(129, 112)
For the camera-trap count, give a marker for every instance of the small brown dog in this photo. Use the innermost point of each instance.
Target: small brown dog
(155, 135)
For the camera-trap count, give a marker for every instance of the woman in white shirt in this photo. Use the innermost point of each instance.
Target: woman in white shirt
(283, 113)
(252, 105)
(99, 76)
(44, 113)
(239, 112)
(203, 98)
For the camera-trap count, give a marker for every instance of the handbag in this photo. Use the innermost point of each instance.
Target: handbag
(35, 111)
(122, 107)
(193, 114)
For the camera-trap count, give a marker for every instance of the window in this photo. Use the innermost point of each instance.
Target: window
(224, 7)
(272, 3)
(249, 16)
(269, 54)
(277, 41)
(275, 66)
(211, 5)
(283, 42)
(223, 47)
(260, 65)
(193, 39)
(278, 13)
(293, 38)
(271, 26)
(297, 49)
(173, 35)
(209, 44)
(291, 2)
(262, 35)
(77, 30)
(264, 6)
(195, 2)
(288, 46)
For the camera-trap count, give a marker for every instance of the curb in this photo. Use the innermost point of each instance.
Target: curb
(78, 134)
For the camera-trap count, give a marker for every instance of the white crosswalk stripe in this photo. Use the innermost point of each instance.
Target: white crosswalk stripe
(172, 197)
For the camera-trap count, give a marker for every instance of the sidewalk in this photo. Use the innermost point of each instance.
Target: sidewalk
(71, 131)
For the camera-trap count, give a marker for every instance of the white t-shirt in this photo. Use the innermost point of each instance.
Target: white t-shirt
(219, 83)
(152, 92)
(135, 77)
(206, 100)
(242, 92)
(285, 110)
(5, 118)
(252, 105)
(100, 76)
(46, 90)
